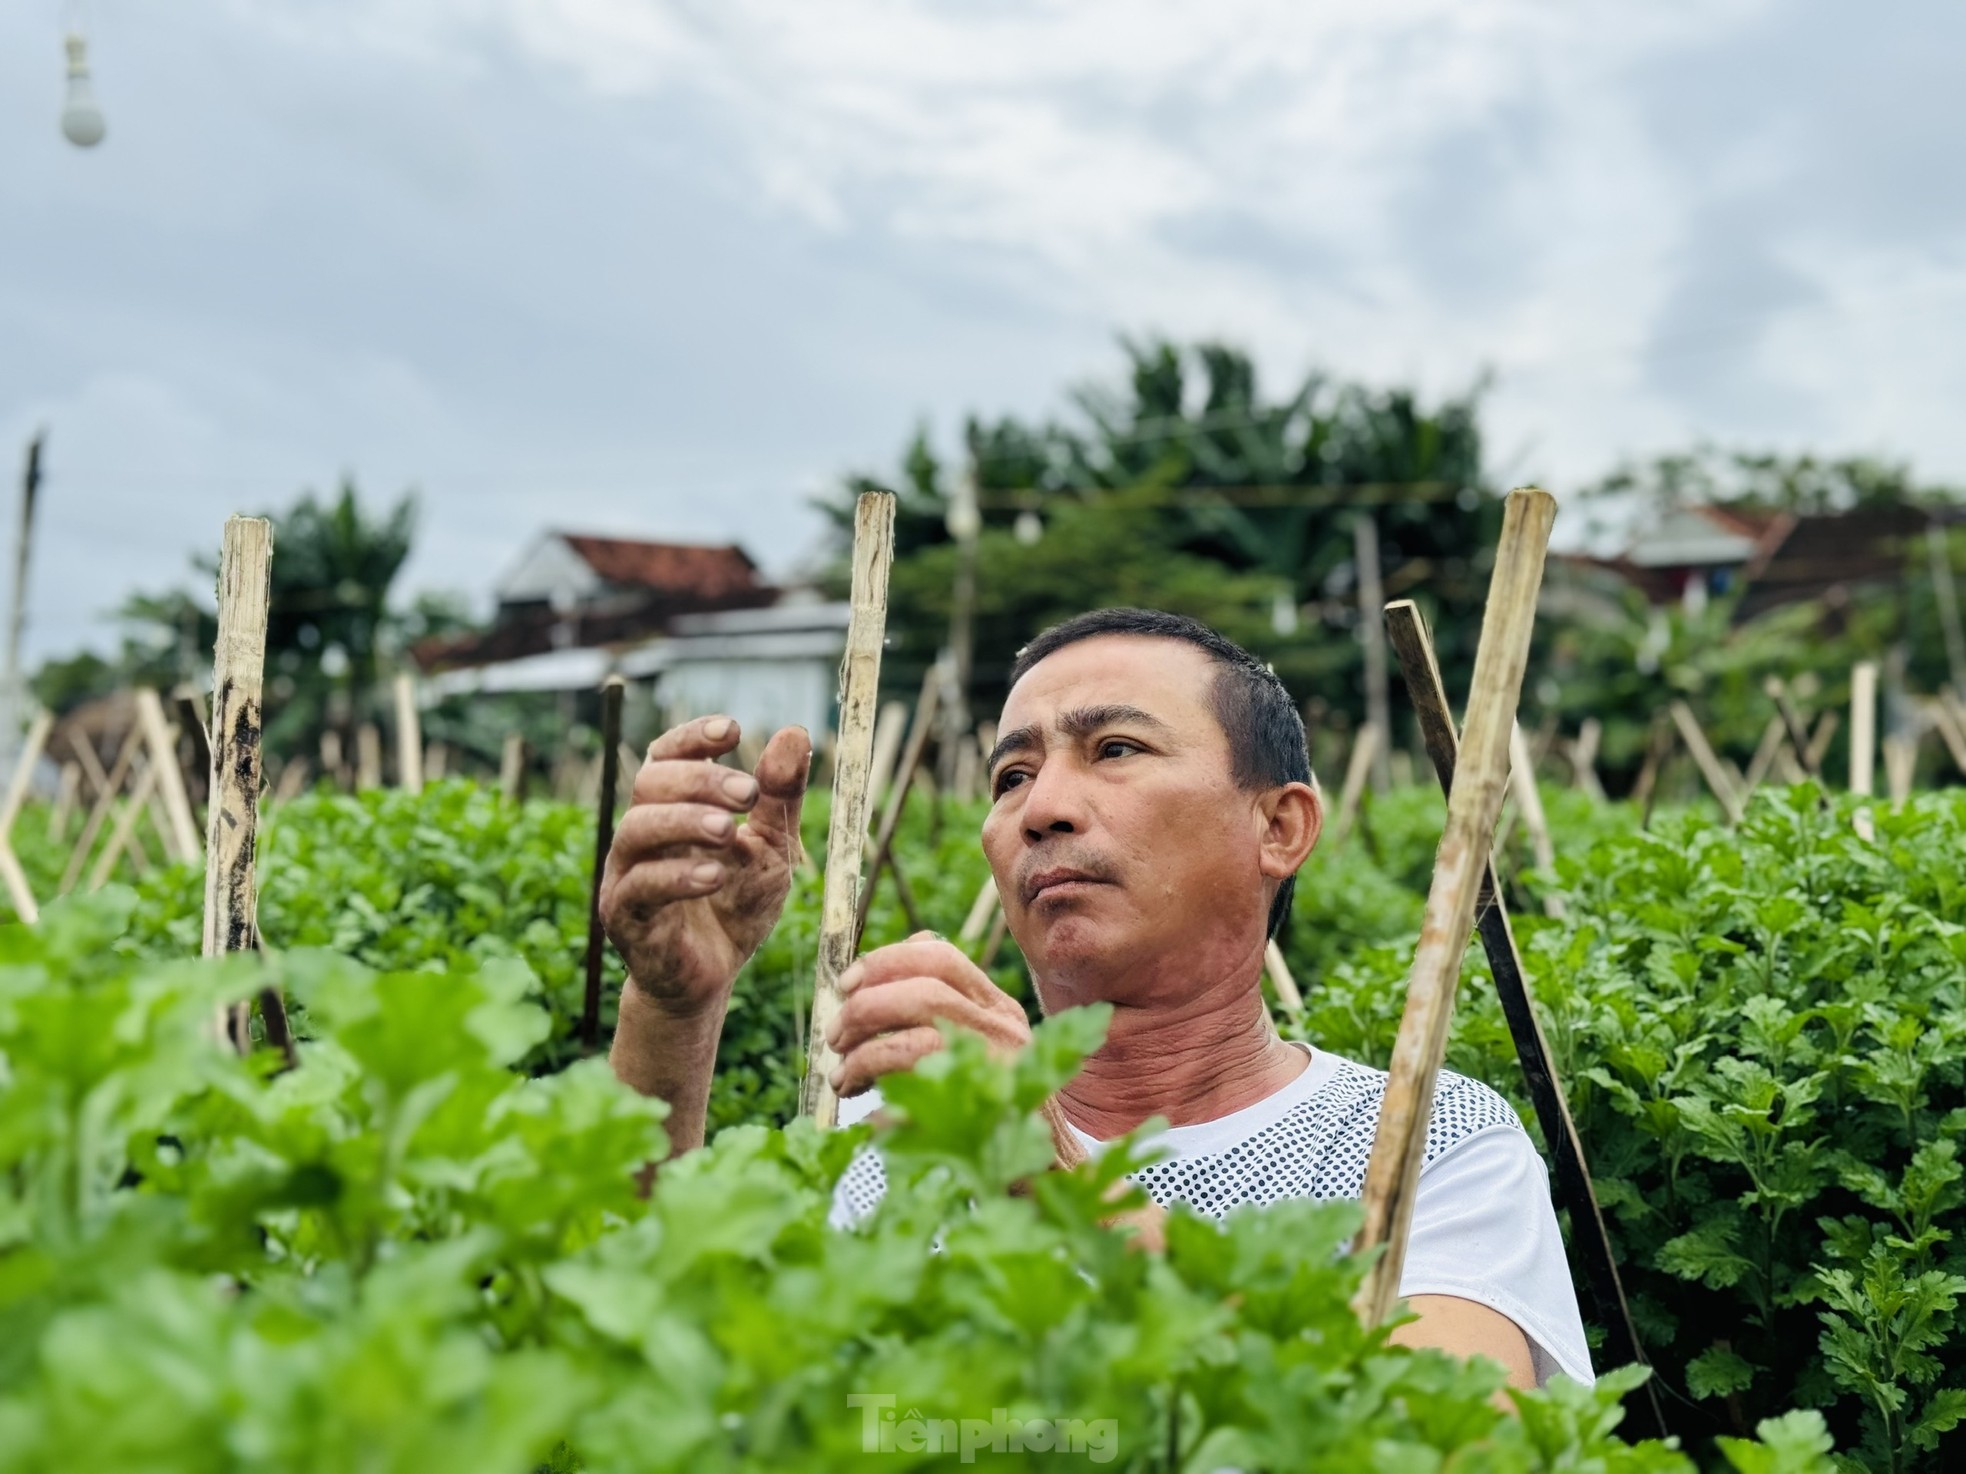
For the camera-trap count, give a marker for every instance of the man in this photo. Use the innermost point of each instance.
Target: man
(1151, 805)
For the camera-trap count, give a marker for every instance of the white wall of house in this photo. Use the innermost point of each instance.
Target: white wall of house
(549, 570)
(763, 695)
(769, 668)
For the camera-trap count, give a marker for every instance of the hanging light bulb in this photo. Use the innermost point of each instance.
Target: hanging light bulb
(1028, 528)
(81, 117)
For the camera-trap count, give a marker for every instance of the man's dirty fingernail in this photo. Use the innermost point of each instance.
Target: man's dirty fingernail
(705, 873)
(741, 786)
(717, 728)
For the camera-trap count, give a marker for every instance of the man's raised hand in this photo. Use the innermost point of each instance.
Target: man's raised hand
(895, 994)
(688, 893)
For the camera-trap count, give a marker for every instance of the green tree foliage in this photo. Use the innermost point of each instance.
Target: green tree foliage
(1187, 488)
(330, 630)
(1764, 481)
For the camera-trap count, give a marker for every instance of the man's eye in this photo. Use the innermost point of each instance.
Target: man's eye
(1117, 747)
(1009, 780)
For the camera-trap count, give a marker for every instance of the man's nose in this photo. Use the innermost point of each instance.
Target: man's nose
(1052, 803)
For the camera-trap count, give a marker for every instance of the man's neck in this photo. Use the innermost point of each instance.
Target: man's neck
(1199, 1061)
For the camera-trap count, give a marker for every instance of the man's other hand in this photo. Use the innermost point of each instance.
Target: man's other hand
(895, 994)
(688, 893)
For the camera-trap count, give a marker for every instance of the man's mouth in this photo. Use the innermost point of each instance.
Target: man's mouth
(1058, 881)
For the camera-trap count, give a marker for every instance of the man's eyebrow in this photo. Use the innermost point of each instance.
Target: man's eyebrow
(1086, 720)
(1023, 739)
(1080, 722)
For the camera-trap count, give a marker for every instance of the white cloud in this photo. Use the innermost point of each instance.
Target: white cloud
(1077, 152)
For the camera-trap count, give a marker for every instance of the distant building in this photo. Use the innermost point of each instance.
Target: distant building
(568, 591)
(696, 622)
(1692, 553)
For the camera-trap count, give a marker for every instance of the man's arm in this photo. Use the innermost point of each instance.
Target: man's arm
(688, 895)
(671, 1056)
(1464, 1328)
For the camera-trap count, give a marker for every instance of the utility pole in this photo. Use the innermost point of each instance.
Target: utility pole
(965, 523)
(1372, 636)
(1947, 596)
(10, 676)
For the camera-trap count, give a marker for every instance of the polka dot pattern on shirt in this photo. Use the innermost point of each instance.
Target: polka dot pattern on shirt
(1316, 1149)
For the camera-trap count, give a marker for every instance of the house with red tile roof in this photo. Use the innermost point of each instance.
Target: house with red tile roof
(698, 623)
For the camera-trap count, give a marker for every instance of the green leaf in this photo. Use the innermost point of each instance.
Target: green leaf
(1718, 1371)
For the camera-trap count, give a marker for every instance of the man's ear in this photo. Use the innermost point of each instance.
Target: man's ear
(1294, 817)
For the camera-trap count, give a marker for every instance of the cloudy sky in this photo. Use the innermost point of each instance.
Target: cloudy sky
(668, 267)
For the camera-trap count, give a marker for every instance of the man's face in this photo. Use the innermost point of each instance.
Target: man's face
(1127, 858)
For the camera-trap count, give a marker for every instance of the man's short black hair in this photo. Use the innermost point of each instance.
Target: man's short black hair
(1266, 736)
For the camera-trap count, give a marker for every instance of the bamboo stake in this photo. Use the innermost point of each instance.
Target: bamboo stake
(11, 874)
(99, 811)
(512, 768)
(1863, 727)
(980, 913)
(860, 676)
(190, 705)
(1658, 746)
(1863, 741)
(167, 778)
(1414, 649)
(993, 943)
(409, 736)
(123, 834)
(368, 756)
(880, 848)
(1945, 718)
(1529, 802)
(1717, 779)
(23, 777)
(1772, 737)
(1583, 758)
(967, 766)
(889, 728)
(612, 690)
(1473, 803)
(1825, 733)
(64, 807)
(293, 781)
(238, 768)
(588, 789)
(1792, 724)
(1357, 770)
(159, 826)
(1946, 593)
(1281, 982)
(85, 755)
(1372, 638)
(1900, 765)
(436, 762)
(333, 760)
(18, 889)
